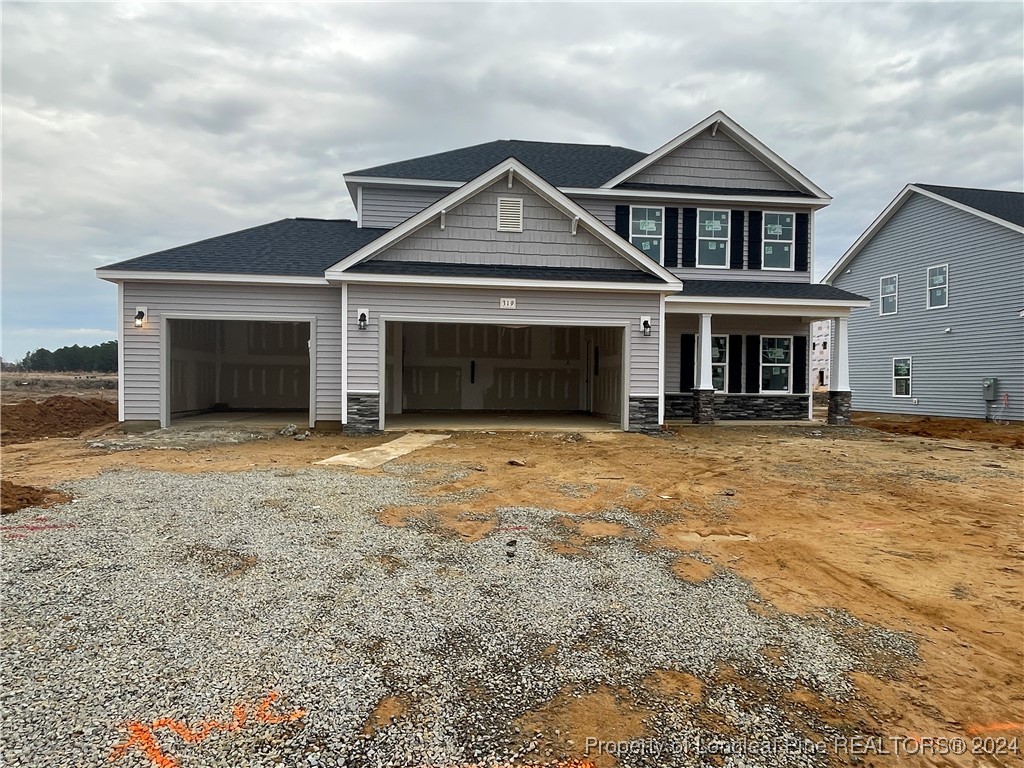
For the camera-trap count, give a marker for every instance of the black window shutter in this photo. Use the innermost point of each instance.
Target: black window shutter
(753, 364)
(799, 384)
(687, 350)
(736, 242)
(689, 238)
(735, 364)
(622, 221)
(754, 241)
(801, 242)
(671, 237)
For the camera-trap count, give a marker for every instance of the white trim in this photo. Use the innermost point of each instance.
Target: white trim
(120, 352)
(558, 200)
(165, 351)
(364, 391)
(810, 373)
(661, 238)
(661, 362)
(762, 302)
(761, 365)
(791, 243)
(738, 134)
(144, 276)
(391, 181)
(910, 378)
(883, 296)
(490, 282)
(359, 207)
(643, 394)
(344, 354)
(890, 210)
(928, 287)
(728, 238)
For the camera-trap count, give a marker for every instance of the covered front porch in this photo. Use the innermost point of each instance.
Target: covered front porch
(746, 357)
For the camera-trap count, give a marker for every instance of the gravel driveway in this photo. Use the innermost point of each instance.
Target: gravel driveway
(181, 596)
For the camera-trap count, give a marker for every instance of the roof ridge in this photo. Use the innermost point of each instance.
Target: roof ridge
(970, 189)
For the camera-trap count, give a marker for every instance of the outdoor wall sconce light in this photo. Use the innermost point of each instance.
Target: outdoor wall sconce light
(645, 323)
(364, 318)
(140, 316)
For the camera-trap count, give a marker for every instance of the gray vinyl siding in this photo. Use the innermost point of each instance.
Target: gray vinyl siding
(140, 377)
(986, 294)
(712, 161)
(553, 308)
(470, 235)
(676, 324)
(388, 207)
(604, 209)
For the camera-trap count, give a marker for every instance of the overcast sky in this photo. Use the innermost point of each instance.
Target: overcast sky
(129, 128)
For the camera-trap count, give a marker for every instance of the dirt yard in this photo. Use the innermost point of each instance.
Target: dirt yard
(15, 386)
(918, 535)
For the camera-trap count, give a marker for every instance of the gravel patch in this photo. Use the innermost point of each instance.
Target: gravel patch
(180, 596)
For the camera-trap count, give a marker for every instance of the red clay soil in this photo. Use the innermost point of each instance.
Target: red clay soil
(57, 416)
(14, 497)
(943, 428)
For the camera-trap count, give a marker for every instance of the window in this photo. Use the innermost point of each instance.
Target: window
(510, 214)
(647, 230)
(776, 363)
(777, 241)
(887, 302)
(901, 377)
(938, 285)
(713, 239)
(719, 361)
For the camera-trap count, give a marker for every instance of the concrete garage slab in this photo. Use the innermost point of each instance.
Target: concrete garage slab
(499, 422)
(246, 418)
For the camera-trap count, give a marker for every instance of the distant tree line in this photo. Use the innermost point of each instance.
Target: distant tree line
(101, 358)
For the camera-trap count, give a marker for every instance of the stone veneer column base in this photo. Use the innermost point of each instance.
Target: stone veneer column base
(839, 408)
(363, 415)
(643, 415)
(703, 406)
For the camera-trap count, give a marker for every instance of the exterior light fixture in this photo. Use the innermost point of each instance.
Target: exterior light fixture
(645, 323)
(140, 316)
(364, 318)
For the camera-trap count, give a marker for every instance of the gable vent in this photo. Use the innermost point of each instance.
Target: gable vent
(510, 214)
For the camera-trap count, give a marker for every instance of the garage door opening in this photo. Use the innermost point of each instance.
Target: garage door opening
(239, 370)
(467, 375)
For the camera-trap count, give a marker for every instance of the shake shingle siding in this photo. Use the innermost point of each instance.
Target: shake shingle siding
(986, 295)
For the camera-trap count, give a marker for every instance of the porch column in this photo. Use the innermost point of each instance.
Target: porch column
(839, 395)
(704, 392)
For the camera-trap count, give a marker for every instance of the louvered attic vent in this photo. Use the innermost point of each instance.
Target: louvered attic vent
(510, 214)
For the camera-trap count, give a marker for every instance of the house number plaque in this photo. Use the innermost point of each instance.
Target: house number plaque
(507, 304)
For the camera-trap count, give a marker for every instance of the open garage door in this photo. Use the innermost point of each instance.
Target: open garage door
(474, 374)
(220, 368)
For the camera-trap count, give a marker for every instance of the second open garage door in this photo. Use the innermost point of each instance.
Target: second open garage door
(526, 374)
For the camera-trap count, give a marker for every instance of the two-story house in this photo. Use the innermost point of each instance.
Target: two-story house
(511, 277)
(944, 269)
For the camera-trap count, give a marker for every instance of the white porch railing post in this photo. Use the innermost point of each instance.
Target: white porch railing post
(704, 375)
(840, 357)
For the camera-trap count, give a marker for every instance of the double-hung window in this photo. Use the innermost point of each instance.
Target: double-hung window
(719, 361)
(901, 367)
(776, 363)
(777, 241)
(713, 239)
(647, 231)
(938, 287)
(887, 295)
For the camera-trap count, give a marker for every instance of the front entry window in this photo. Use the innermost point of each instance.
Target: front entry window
(776, 363)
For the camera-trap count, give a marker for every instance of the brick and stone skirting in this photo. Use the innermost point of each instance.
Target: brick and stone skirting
(739, 407)
(703, 406)
(839, 408)
(363, 414)
(643, 415)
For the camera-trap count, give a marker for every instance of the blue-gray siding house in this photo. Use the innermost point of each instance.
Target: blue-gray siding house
(944, 270)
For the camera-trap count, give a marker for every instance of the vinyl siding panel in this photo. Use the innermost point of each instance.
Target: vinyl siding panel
(471, 236)
(388, 207)
(141, 375)
(713, 161)
(553, 308)
(986, 294)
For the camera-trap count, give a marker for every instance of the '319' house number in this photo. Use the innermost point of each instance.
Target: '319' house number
(507, 304)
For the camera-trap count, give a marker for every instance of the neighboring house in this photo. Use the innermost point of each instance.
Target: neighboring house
(513, 276)
(944, 268)
(821, 334)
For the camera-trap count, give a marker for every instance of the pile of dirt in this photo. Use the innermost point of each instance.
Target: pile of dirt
(57, 416)
(14, 497)
(943, 428)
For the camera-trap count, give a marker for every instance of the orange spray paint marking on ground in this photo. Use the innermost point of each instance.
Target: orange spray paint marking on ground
(142, 736)
(974, 730)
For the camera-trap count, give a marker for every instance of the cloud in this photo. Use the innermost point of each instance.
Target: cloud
(129, 128)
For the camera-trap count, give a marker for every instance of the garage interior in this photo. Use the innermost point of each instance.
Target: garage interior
(226, 370)
(469, 375)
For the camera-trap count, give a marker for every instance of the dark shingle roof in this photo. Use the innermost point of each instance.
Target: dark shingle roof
(750, 289)
(293, 247)
(693, 189)
(1005, 205)
(562, 165)
(510, 271)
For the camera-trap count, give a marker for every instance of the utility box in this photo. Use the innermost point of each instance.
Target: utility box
(988, 389)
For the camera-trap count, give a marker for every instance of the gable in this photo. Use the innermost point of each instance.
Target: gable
(713, 160)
